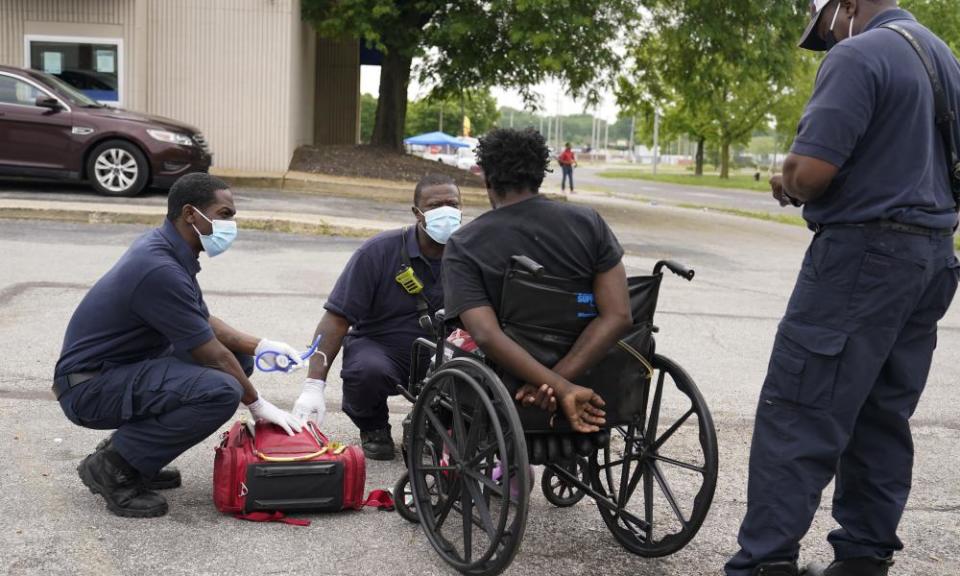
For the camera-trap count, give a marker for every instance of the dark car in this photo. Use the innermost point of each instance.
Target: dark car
(49, 129)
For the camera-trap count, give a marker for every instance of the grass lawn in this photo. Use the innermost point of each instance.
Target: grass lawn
(736, 181)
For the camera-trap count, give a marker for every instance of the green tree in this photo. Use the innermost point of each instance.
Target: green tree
(368, 111)
(718, 68)
(787, 111)
(477, 105)
(472, 44)
(941, 16)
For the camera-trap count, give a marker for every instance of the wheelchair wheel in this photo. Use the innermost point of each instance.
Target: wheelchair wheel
(658, 474)
(474, 523)
(558, 491)
(403, 499)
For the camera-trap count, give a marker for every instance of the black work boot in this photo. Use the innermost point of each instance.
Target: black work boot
(377, 444)
(164, 480)
(852, 567)
(106, 473)
(777, 569)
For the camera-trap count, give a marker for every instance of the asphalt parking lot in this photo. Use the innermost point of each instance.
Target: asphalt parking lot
(720, 327)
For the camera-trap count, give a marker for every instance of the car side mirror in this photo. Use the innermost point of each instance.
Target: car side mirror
(43, 101)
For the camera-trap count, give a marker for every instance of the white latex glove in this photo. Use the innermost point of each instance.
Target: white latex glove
(263, 410)
(311, 405)
(280, 349)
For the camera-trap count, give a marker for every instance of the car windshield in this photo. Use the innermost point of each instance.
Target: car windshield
(69, 92)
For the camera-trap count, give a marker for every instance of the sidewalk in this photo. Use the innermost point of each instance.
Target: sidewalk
(93, 212)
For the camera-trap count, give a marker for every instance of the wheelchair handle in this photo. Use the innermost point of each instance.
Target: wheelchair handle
(675, 267)
(526, 264)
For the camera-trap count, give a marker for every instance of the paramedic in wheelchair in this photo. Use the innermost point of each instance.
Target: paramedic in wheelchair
(570, 242)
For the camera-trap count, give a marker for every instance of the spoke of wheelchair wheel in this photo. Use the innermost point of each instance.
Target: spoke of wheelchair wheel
(672, 430)
(458, 426)
(667, 492)
(630, 520)
(486, 521)
(442, 431)
(654, 420)
(691, 467)
(486, 481)
(448, 505)
(466, 501)
(648, 503)
(477, 425)
(486, 451)
(634, 479)
(437, 468)
(608, 465)
(622, 495)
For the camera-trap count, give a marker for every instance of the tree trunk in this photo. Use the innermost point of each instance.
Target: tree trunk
(392, 104)
(701, 141)
(725, 159)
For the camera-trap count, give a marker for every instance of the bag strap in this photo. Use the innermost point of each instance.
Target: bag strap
(379, 499)
(423, 307)
(272, 517)
(943, 115)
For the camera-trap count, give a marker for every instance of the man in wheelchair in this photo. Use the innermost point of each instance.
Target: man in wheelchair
(569, 242)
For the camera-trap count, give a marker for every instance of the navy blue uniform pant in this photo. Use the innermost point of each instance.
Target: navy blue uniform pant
(371, 372)
(849, 363)
(159, 408)
(567, 170)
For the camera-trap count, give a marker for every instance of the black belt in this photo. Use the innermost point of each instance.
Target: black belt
(889, 225)
(63, 383)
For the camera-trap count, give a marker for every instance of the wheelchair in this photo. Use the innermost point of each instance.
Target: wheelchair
(468, 445)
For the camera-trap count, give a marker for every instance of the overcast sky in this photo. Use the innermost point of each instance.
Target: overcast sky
(370, 84)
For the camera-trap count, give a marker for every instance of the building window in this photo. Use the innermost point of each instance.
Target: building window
(92, 65)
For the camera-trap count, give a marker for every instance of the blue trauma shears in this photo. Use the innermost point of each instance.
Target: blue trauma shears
(285, 363)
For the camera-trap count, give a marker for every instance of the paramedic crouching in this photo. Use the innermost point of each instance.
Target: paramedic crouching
(142, 355)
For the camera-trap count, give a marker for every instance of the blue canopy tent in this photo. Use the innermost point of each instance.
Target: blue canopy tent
(435, 139)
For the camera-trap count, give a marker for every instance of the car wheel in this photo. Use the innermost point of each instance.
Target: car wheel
(118, 168)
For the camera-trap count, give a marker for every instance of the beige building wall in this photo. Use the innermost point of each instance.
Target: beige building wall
(242, 71)
(228, 67)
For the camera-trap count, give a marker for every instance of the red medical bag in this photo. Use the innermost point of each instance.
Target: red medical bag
(271, 471)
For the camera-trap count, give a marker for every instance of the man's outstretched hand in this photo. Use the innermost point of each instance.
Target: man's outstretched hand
(583, 408)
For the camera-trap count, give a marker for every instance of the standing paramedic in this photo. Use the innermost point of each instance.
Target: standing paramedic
(567, 161)
(375, 310)
(142, 355)
(852, 354)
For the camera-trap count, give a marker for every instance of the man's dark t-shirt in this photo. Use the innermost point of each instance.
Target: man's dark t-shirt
(570, 242)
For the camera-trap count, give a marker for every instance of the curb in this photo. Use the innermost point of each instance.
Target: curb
(319, 227)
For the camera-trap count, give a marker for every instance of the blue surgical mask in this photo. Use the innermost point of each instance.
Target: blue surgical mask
(220, 238)
(441, 223)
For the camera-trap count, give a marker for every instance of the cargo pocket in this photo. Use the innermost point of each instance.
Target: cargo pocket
(804, 364)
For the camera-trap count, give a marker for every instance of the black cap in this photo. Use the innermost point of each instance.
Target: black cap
(810, 39)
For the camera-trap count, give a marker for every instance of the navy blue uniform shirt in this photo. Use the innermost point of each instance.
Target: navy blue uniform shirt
(369, 297)
(147, 302)
(872, 115)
